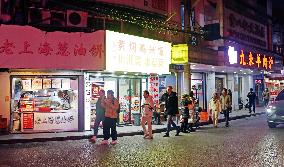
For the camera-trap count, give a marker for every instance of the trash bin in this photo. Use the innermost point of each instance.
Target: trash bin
(137, 120)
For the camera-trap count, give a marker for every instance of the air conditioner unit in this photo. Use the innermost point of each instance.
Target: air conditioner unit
(77, 18)
(58, 18)
(38, 16)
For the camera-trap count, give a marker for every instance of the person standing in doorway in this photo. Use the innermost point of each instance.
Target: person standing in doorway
(266, 97)
(171, 105)
(147, 115)
(111, 106)
(225, 105)
(215, 109)
(231, 98)
(252, 97)
(100, 114)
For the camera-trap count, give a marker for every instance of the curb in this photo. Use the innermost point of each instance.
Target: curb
(14, 141)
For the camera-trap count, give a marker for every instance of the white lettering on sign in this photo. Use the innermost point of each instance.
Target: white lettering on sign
(233, 55)
(56, 121)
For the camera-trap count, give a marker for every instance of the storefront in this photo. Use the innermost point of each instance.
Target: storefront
(42, 78)
(133, 64)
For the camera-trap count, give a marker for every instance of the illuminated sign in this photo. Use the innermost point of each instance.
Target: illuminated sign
(179, 54)
(233, 55)
(249, 59)
(136, 54)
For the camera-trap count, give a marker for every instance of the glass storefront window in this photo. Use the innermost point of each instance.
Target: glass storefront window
(44, 104)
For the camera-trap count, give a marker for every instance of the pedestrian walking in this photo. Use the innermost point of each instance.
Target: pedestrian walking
(100, 114)
(231, 98)
(171, 104)
(147, 114)
(185, 113)
(252, 97)
(266, 97)
(215, 108)
(225, 105)
(111, 106)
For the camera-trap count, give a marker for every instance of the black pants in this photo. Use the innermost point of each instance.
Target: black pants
(252, 104)
(157, 118)
(184, 125)
(227, 116)
(110, 124)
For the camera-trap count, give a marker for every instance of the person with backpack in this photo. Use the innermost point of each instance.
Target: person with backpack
(111, 106)
(147, 114)
(100, 114)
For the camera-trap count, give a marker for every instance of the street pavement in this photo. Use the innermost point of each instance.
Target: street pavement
(122, 131)
(247, 142)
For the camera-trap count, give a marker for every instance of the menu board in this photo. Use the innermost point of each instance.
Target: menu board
(28, 120)
(27, 84)
(135, 104)
(154, 88)
(66, 83)
(46, 83)
(56, 83)
(36, 84)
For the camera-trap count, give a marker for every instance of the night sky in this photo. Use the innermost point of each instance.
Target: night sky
(278, 14)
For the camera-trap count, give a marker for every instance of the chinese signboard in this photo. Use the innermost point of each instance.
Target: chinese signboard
(244, 30)
(156, 6)
(28, 47)
(136, 54)
(179, 54)
(153, 88)
(56, 121)
(249, 59)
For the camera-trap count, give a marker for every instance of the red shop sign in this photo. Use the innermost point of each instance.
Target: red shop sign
(28, 120)
(28, 47)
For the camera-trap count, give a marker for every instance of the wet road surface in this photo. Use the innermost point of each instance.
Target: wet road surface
(246, 143)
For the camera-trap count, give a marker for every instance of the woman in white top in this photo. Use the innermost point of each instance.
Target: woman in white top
(215, 108)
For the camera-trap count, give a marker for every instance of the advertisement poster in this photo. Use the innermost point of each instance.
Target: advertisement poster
(28, 120)
(27, 84)
(96, 87)
(46, 83)
(66, 84)
(36, 84)
(56, 83)
(154, 88)
(64, 121)
(135, 104)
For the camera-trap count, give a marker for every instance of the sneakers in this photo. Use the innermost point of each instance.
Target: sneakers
(93, 139)
(166, 135)
(178, 131)
(104, 142)
(113, 142)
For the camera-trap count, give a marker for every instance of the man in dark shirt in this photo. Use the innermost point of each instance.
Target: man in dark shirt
(171, 104)
(251, 96)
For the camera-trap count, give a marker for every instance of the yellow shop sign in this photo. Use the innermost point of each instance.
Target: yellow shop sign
(179, 54)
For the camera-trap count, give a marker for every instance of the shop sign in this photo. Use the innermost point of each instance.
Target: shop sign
(28, 47)
(135, 104)
(28, 120)
(56, 121)
(153, 88)
(244, 30)
(176, 67)
(248, 59)
(179, 54)
(136, 54)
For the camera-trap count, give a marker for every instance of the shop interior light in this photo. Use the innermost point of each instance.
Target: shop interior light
(235, 72)
(251, 71)
(241, 70)
(212, 67)
(125, 73)
(193, 65)
(245, 73)
(136, 74)
(223, 71)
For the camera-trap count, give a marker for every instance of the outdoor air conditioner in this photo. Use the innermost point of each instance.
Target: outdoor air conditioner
(38, 16)
(58, 18)
(77, 18)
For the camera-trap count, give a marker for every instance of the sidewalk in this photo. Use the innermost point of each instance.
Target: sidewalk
(122, 131)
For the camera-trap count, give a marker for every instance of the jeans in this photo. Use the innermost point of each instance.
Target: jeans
(266, 101)
(110, 124)
(99, 118)
(252, 104)
(171, 122)
(227, 116)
